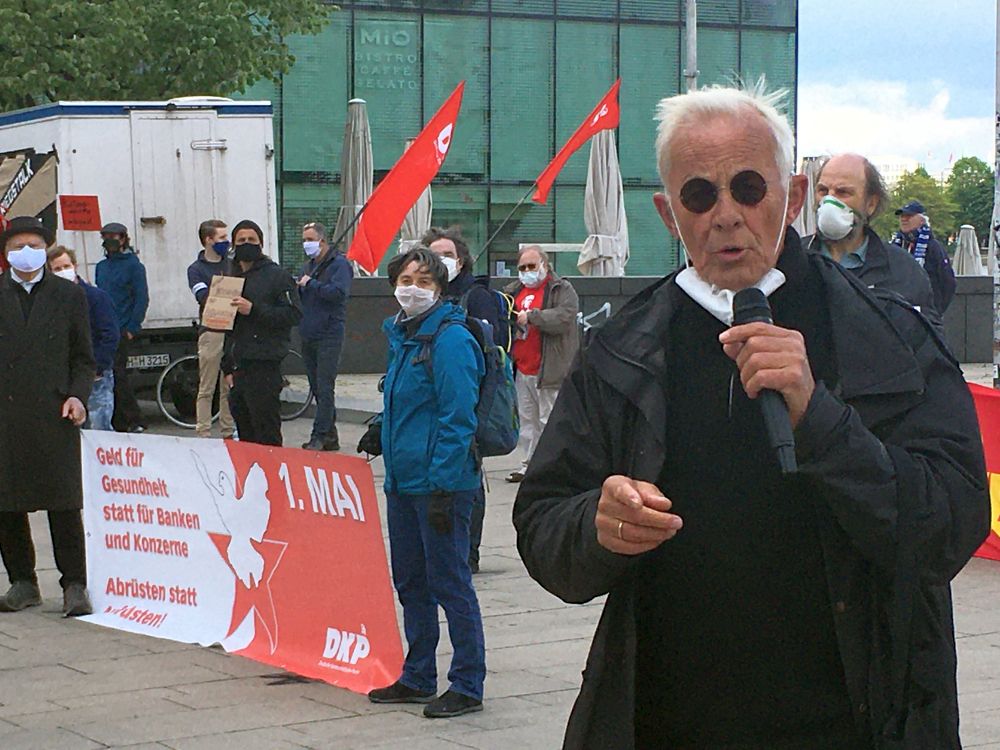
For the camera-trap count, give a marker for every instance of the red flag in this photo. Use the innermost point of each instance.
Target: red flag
(988, 408)
(399, 190)
(604, 117)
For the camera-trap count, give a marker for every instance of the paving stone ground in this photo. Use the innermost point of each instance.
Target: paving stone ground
(68, 684)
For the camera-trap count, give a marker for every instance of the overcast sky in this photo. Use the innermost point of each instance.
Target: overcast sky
(897, 80)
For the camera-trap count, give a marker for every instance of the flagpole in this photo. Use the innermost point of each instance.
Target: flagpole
(503, 223)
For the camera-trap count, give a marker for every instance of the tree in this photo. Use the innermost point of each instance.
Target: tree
(970, 188)
(154, 49)
(919, 185)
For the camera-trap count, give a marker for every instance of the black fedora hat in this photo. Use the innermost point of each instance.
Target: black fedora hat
(26, 225)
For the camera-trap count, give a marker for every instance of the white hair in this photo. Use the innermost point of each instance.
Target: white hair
(715, 101)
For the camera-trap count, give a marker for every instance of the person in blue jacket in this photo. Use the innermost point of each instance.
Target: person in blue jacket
(104, 337)
(431, 478)
(123, 277)
(324, 286)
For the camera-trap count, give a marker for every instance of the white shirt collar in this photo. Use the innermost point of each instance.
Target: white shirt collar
(719, 302)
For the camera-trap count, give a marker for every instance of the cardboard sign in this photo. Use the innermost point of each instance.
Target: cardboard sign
(275, 553)
(219, 313)
(80, 213)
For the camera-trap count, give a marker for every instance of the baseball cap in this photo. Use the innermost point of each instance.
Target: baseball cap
(913, 207)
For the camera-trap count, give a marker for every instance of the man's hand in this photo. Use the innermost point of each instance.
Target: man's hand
(74, 410)
(632, 516)
(243, 305)
(773, 358)
(229, 379)
(522, 318)
(305, 279)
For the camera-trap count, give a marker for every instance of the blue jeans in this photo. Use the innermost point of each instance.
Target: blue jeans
(101, 403)
(476, 524)
(431, 568)
(322, 358)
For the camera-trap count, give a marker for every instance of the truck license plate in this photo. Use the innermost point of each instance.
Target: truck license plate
(143, 361)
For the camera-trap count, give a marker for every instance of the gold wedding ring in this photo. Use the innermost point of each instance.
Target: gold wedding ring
(620, 524)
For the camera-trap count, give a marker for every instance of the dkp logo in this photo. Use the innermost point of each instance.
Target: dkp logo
(345, 646)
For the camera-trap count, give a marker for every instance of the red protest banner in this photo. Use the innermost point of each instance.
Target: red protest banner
(80, 213)
(988, 409)
(275, 553)
(399, 190)
(604, 117)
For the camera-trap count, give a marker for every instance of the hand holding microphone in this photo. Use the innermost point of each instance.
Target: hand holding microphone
(772, 361)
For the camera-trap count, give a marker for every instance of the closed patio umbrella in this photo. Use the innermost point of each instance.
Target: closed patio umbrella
(805, 222)
(968, 261)
(605, 251)
(356, 171)
(417, 219)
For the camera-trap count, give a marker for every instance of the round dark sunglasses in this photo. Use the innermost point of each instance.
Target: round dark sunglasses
(699, 195)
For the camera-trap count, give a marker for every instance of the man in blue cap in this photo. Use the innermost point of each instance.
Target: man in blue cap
(915, 236)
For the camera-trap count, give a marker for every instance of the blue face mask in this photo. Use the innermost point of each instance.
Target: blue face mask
(311, 248)
(531, 279)
(221, 247)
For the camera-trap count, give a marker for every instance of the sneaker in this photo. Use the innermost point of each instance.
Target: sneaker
(76, 601)
(514, 477)
(452, 704)
(397, 692)
(21, 595)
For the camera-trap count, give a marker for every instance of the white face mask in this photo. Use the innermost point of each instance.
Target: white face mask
(834, 219)
(531, 279)
(67, 273)
(451, 264)
(415, 300)
(28, 259)
(311, 249)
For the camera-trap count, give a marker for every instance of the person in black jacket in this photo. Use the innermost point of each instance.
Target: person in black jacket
(916, 238)
(479, 302)
(851, 194)
(748, 608)
(266, 313)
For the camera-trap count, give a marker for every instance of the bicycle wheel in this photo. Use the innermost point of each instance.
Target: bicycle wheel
(296, 394)
(177, 392)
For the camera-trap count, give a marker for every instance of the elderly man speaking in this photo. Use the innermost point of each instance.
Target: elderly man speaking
(748, 607)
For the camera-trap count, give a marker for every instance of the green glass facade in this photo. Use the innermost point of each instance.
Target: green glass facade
(533, 70)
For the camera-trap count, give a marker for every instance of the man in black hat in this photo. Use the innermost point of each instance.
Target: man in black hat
(123, 277)
(267, 311)
(46, 372)
(915, 236)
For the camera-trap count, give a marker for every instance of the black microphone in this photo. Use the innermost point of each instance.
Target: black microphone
(750, 306)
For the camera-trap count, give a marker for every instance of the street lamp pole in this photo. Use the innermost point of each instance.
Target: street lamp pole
(691, 63)
(996, 218)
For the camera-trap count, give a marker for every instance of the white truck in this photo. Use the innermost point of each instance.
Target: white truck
(159, 168)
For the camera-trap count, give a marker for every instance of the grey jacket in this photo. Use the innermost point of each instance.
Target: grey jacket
(556, 321)
(892, 268)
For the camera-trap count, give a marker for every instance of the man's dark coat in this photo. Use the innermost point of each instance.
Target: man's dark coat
(896, 460)
(43, 361)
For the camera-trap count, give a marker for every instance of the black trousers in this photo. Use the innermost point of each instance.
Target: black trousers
(127, 414)
(68, 543)
(255, 401)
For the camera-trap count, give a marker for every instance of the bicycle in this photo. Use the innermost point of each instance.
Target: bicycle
(177, 390)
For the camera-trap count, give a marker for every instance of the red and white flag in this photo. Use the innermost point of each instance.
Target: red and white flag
(604, 117)
(400, 189)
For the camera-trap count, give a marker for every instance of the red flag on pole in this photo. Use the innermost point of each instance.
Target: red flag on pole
(399, 190)
(604, 117)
